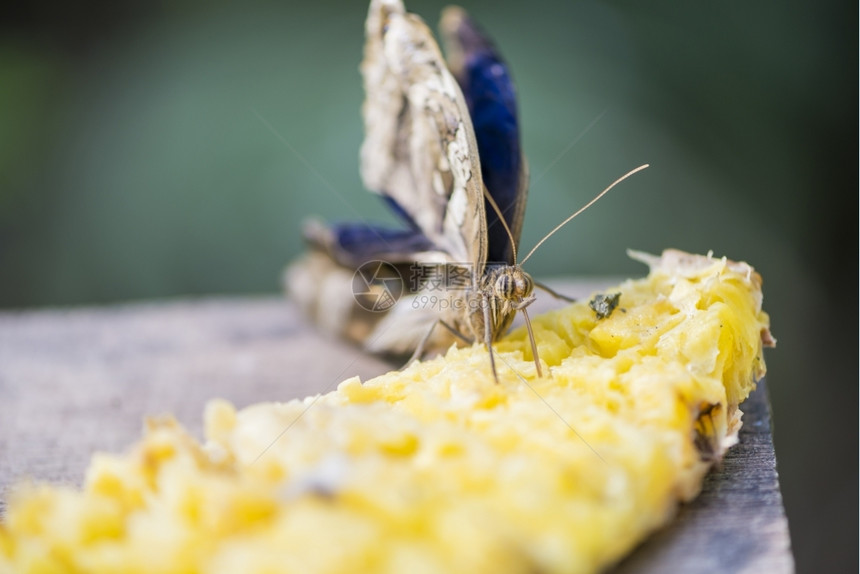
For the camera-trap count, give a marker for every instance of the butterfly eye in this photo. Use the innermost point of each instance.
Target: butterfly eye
(525, 285)
(522, 285)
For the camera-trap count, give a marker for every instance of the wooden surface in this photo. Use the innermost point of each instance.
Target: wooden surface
(76, 381)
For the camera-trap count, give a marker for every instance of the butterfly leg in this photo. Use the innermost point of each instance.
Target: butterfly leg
(532, 341)
(554, 293)
(488, 336)
(456, 333)
(523, 303)
(521, 306)
(419, 350)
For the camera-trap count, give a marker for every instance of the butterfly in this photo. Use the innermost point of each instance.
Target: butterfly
(442, 148)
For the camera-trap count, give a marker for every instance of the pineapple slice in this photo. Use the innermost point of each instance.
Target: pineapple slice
(437, 468)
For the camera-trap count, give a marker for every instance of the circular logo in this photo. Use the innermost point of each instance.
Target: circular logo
(376, 286)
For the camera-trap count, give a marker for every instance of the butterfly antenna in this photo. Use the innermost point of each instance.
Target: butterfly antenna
(498, 211)
(586, 206)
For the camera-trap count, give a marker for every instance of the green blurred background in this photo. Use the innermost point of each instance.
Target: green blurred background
(152, 150)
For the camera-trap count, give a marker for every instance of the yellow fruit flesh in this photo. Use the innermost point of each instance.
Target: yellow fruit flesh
(437, 468)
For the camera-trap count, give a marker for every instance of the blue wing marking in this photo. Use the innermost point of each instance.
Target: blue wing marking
(491, 97)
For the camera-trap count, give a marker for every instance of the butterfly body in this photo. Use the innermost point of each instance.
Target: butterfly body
(442, 147)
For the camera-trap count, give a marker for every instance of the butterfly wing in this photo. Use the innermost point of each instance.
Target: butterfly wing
(420, 153)
(490, 95)
(420, 148)
(353, 244)
(414, 118)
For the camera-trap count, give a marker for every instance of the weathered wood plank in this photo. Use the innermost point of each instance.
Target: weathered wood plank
(737, 523)
(77, 381)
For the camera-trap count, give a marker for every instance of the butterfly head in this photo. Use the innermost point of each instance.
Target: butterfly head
(511, 283)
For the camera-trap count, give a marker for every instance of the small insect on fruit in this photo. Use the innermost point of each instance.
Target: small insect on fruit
(442, 147)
